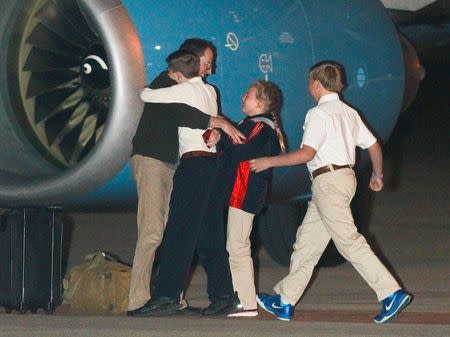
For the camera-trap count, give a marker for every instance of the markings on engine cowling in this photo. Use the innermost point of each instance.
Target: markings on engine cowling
(232, 41)
(87, 68)
(361, 77)
(265, 65)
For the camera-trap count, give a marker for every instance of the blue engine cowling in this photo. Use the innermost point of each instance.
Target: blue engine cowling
(279, 41)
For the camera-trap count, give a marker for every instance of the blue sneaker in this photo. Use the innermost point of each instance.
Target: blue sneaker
(272, 304)
(392, 305)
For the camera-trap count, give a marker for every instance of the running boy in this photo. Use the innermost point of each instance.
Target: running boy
(261, 104)
(332, 130)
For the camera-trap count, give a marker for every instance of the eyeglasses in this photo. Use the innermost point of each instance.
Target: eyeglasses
(208, 65)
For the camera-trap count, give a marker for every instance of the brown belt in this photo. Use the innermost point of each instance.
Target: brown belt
(192, 154)
(325, 169)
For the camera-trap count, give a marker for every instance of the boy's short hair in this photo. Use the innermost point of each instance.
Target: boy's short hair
(330, 73)
(184, 61)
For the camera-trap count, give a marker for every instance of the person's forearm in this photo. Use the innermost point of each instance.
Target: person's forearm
(163, 95)
(297, 157)
(191, 117)
(221, 123)
(148, 95)
(218, 122)
(376, 157)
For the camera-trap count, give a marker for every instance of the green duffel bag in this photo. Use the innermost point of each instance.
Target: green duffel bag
(98, 286)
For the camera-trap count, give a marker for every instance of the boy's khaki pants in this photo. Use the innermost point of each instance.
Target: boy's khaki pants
(154, 185)
(239, 228)
(329, 217)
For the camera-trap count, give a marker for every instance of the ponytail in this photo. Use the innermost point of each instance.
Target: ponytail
(279, 132)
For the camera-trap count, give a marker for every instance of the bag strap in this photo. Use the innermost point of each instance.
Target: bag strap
(98, 258)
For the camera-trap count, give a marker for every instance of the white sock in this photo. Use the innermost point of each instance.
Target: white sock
(283, 302)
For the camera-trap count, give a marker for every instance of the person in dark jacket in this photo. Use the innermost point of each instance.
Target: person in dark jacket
(261, 104)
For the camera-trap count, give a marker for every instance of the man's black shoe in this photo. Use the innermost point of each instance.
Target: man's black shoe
(222, 306)
(161, 306)
(190, 311)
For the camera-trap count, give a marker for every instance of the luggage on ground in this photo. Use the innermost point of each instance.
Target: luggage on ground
(100, 285)
(30, 260)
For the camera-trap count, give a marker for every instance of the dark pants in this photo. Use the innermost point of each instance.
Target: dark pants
(192, 227)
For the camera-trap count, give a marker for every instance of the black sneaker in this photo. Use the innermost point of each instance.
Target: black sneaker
(223, 305)
(161, 306)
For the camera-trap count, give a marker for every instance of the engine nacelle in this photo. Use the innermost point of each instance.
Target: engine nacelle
(63, 134)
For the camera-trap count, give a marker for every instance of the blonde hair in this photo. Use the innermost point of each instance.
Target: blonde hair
(270, 94)
(330, 74)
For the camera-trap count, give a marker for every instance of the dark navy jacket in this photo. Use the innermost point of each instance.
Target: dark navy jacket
(249, 189)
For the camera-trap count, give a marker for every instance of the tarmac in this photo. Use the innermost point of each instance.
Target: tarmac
(409, 228)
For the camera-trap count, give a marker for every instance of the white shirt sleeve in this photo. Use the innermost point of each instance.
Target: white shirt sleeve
(365, 137)
(173, 94)
(314, 134)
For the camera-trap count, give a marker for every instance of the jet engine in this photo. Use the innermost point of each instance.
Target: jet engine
(69, 106)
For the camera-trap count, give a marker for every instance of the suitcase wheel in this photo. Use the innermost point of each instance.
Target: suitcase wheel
(34, 310)
(50, 308)
(8, 310)
(22, 311)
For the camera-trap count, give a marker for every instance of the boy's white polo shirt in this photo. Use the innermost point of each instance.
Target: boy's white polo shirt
(334, 130)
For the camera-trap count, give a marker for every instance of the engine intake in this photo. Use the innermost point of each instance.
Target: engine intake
(62, 121)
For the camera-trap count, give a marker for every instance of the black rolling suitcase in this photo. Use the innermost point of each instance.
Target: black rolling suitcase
(30, 260)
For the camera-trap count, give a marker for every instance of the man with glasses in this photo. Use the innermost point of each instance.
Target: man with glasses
(153, 162)
(205, 50)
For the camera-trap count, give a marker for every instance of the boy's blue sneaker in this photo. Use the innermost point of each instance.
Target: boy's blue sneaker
(272, 304)
(392, 305)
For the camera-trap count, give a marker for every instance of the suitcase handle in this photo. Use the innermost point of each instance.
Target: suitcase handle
(3, 222)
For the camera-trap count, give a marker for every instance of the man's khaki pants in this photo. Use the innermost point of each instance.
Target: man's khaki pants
(239, 228)
(329, 217)
(154, 185)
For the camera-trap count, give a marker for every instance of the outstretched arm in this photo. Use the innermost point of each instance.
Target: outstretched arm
(221, 123)
(297, 157)
(173, 94)
(376, 157)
